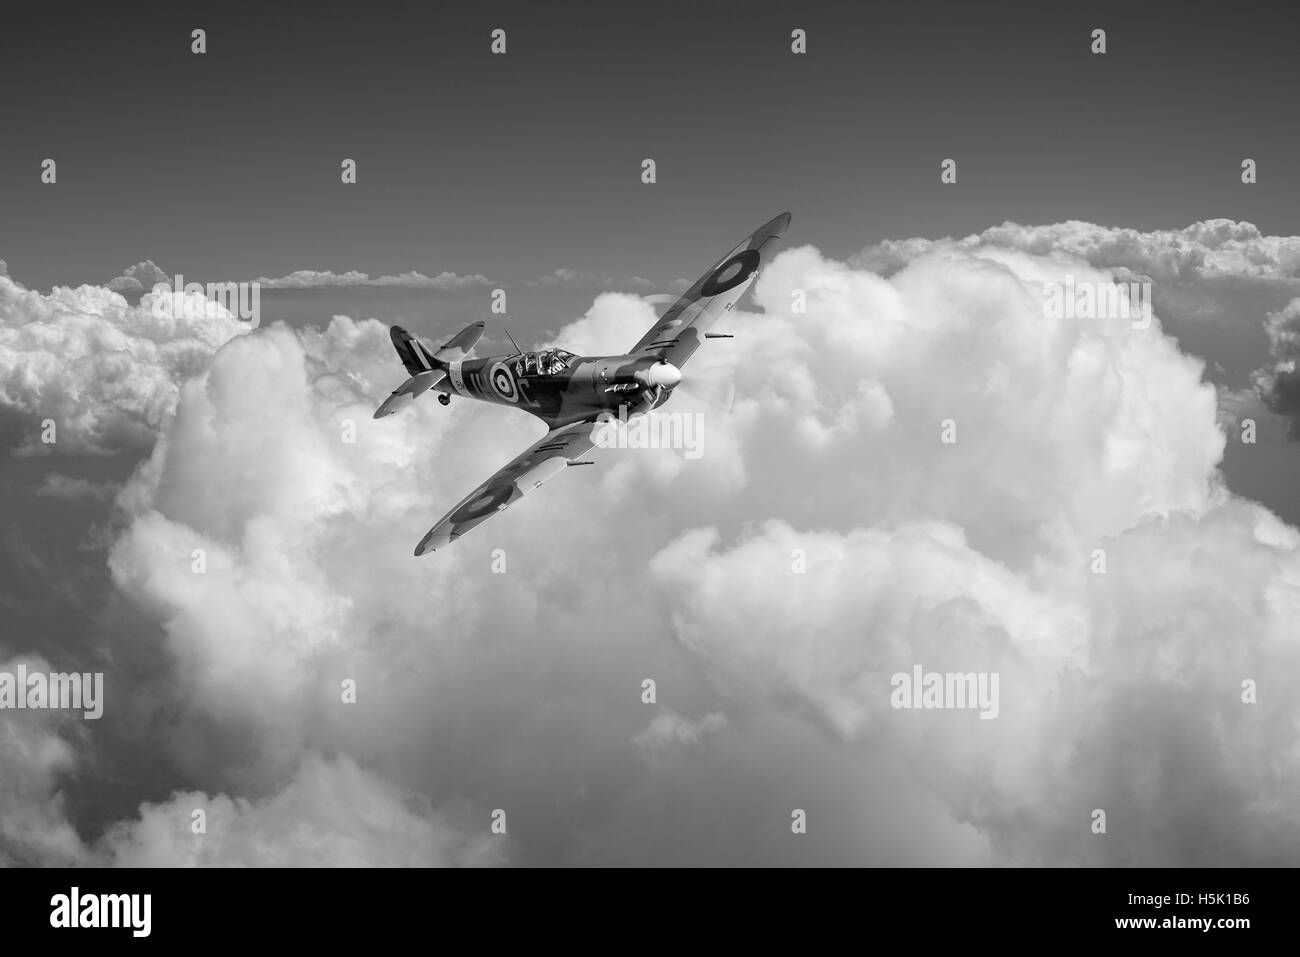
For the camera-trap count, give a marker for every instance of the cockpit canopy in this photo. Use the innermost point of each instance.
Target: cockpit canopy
(546, 362)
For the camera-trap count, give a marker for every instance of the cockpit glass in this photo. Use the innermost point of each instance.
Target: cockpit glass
(546, 362)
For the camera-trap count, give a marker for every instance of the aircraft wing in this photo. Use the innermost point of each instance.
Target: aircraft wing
(458, 346)
(544, 459)
(680, 330)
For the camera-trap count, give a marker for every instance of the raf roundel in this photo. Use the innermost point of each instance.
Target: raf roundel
(503, 383)
(493, 500)
(735, 270)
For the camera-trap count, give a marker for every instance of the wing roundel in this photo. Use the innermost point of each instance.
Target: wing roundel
(680, 330)
(541, 461)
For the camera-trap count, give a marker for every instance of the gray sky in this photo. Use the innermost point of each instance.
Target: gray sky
(226, 166)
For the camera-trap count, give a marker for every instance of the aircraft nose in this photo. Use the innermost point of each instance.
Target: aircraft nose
(664, 374)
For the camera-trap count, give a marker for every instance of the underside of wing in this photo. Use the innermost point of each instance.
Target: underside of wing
(680, 330)
(542, 460)
(458, 346)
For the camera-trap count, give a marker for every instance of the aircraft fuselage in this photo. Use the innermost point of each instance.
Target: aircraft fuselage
(559, 387)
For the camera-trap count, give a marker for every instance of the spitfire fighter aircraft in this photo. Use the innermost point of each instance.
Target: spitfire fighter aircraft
(571, 394)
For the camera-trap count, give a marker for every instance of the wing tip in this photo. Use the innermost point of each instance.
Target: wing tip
(436, 538)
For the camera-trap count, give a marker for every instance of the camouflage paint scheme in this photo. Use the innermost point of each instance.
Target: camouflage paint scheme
(568, 392)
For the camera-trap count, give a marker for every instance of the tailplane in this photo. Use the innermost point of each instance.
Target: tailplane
(425, 368)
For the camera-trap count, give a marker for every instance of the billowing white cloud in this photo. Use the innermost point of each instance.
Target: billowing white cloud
(35, 752)
(330, 814)
(1075, 539)
(139, 278)
(104, 372)
(1120, 691)
(1211, 248)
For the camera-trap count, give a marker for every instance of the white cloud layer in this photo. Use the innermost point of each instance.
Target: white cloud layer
(330, 814)
(310, 278)
(1120, 690)
(106, 373)
(1211, 248)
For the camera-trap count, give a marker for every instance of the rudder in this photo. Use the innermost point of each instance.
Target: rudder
(414, 356)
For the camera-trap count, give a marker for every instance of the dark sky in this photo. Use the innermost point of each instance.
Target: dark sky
(226, 166)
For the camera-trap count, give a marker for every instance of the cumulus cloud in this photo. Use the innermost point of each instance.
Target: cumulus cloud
(1211, 248)
(1122, 693)
(35, 754)
(1279, 382)
(312, 278)
(1076, 539)
(138, 278)
(330, 814)
(105, 373)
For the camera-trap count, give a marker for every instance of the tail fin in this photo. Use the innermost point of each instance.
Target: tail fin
(413, 355)
(417, 358)
(426, 369)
